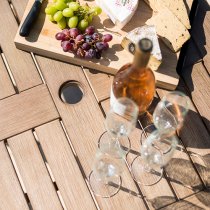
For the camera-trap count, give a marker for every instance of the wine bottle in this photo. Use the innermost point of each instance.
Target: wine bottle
(136, 81)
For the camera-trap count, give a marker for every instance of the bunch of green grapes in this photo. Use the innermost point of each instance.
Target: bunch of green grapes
(69, 13)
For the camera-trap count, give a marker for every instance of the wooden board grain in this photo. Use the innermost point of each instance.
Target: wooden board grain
(26, 110)
(84, 123)
(64, 167)
(6, 87)
(12, 196)
(20, 63)
(33, 171)
(42, 41)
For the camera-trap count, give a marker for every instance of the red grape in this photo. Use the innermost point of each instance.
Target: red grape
(100, 46)
(74, 32)
(90, 30)
(79, 38)
(91, 53)
(96, 36)
(86, 46)
(107, 37)
(67, 46)
(106, 46)
(66, 32)
(60, 36)
(80, 52)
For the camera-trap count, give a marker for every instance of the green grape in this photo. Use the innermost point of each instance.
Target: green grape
(90, 18)
(74, 6)
(73, 21)
(62, 23)
(50, 10)
(96, 10)
(83, 24)
(60, 5)
(58, 16)
(67, 12)
(86, 8)
(50, 17)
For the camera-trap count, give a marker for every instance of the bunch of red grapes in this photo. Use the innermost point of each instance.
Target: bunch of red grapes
(88, 45)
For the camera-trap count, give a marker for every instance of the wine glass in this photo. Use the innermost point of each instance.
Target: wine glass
(105, 179)
(120, 121)
(147, 168)
(170, 112)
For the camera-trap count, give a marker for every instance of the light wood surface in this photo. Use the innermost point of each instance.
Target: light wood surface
(22, 163)
(39, 187)
(20, 63)
(42, 41)
(64, 167)
(199, 89)
(84, 123)
(12, 196)
(100, 83)
(6, 87)
(199, 201)
(26, 110)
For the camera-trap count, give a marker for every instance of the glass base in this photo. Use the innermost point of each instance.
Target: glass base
(164, 145)
(145, 176)
(99, 188)
(123, 141)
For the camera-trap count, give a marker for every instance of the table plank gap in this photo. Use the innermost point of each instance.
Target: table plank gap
(99, 82)
(12, 196)
(37, 181)
(6, 86)
(62, 162)
(76, 125)
(20, 62)
(26, 110)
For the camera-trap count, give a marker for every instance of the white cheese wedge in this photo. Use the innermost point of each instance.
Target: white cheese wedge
(133, 38)
(173, 33)
(177, 7)
(119, 11)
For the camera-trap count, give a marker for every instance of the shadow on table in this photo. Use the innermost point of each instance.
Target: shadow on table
(194, 50)
(203, 197)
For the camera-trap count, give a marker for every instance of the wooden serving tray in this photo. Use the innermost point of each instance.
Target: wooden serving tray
(42, 41)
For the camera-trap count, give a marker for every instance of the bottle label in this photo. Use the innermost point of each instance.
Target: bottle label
(115, 105)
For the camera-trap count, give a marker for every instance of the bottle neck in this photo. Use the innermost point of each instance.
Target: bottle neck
(141, 60)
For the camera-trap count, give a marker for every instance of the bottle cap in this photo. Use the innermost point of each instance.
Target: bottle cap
(145, 45)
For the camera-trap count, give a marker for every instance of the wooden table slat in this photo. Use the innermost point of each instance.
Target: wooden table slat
(33, 171)
(6, 87)
(84, 124)
(100, 83)
(25, 111)
(12, 196)
(198, 83)
(64, 167)
(20, 62)
(199, 201)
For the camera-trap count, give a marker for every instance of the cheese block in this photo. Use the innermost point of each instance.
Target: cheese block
(119, 11)
(177, 7)
(133, 37)
(173, 33)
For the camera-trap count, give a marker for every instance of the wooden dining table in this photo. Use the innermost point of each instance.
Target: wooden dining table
(48, 146)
